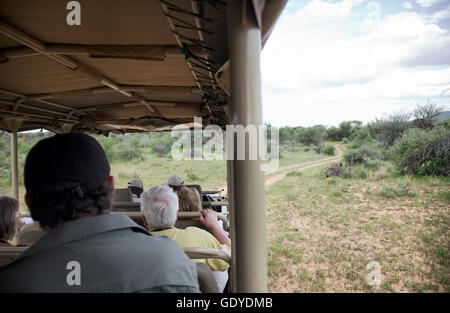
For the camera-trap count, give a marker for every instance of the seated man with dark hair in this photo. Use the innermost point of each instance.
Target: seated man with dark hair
(70, 192)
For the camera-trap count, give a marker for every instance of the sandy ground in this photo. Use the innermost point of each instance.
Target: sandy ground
(281, 172)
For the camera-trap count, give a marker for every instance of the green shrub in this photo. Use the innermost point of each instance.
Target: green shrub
(126, 152)
(422, 152)
(108, 145)
(403, 190)
(336, 169)
(359, 172)
(388, 192)
(161, 143)
(383, 171)
(317, 148)
(365, 154)
(160, 150)
(329, 150)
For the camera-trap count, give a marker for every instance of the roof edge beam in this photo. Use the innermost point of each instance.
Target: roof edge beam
(20, 36)
(22, 97)
(138, 103)
(16, 104)
(170, 90)
(139, 52)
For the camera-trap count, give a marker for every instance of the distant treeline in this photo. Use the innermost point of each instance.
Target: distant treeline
(416, 142)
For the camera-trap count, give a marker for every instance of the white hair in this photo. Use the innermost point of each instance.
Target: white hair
(159, 205)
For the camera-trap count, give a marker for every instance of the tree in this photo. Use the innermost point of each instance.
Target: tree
(345, 129)
(314, 135)
(426, 115)
(334, 133)
(361, 135)
(423, 152)
(389, 130)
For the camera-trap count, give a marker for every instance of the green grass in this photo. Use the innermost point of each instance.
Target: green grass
(402, 190)
(343, 224)
(288, 157)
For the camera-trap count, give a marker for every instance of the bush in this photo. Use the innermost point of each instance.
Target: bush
(390, 129)
(317, 148)
(336, 169)
(384, 171)
(127, 152)
(108, 145)
(403, 190)
(160, 150)
(329, 150)
(422, 152)
(366, 154)
(359, 172)
(161, 143)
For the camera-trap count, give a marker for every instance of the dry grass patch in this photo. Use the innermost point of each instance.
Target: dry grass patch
(324, 232)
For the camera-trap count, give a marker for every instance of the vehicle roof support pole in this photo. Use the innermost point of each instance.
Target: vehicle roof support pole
(14, 125)
(249, 246)
(14, 165)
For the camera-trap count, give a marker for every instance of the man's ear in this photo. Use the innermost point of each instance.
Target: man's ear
(145, 222)
(111, 181)
(27, 200)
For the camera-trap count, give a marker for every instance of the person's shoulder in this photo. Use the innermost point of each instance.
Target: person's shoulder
(193, 229)
(207, 239)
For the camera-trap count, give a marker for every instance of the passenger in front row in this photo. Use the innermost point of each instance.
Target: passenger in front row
(8, 211)
(136, 187)
(69, 191)
(8, 223)
(159, 206)
(189, 199)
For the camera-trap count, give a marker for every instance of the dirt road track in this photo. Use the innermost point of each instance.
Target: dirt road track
(299, 167)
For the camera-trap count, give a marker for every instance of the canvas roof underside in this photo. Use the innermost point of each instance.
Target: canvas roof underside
(140, 65)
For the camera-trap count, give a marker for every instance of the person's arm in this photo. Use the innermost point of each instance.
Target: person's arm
(209, 219)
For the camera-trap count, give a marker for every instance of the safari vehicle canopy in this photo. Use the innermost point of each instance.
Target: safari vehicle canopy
(144, 65)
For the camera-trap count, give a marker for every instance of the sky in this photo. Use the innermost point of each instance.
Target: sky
(332, 61)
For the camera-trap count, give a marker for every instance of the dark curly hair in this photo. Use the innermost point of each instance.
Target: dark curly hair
(51, 205)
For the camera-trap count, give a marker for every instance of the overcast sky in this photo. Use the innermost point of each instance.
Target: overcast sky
(330, 61)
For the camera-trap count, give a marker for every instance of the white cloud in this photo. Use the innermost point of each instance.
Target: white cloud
(440, 15)
(318, 11)
(407, 5)
(332, 71)
(428, 3)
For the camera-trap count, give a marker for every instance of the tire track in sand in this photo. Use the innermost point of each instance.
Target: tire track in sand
(300, 167)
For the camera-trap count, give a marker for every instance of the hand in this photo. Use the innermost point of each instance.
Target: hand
(209, 219)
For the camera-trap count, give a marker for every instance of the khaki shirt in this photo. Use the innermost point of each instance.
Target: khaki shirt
(111, 254)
